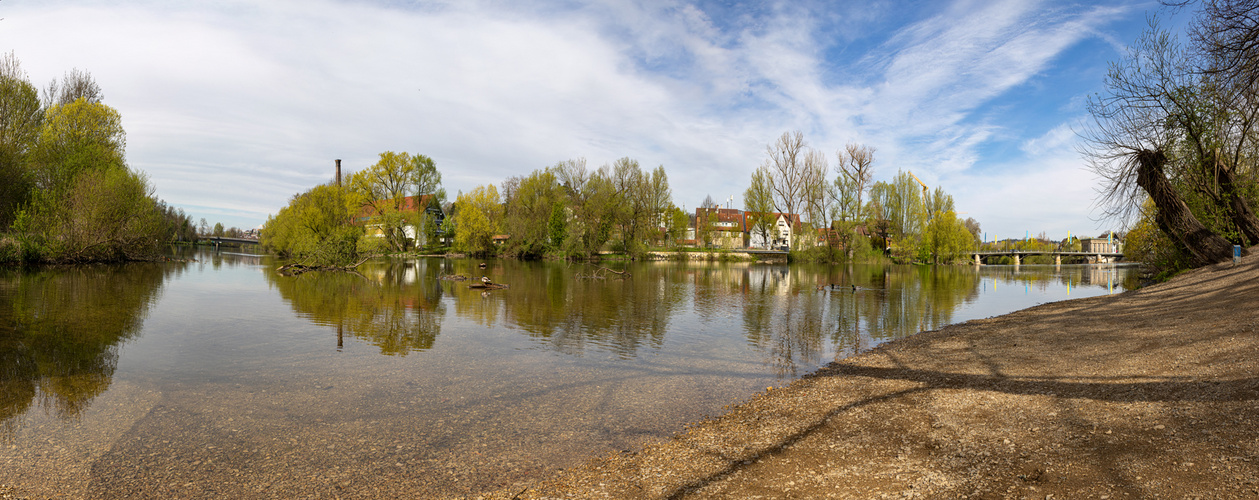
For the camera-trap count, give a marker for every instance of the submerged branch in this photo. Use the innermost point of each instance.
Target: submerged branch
(299, 268)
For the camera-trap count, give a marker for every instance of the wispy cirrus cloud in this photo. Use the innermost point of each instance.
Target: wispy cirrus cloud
(231, 107)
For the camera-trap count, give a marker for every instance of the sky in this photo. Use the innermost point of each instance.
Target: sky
(231, 107)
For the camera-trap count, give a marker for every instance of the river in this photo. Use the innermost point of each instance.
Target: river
(220, 377)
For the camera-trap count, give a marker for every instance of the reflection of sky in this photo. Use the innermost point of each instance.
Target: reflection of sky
(999, 294)
(223, 344)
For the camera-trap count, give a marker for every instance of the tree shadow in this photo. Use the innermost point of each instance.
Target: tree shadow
(1111, 389)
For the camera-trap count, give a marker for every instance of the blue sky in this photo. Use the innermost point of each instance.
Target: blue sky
(231, 107)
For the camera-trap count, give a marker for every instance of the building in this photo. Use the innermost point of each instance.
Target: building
(425, 204)
(780, 233)
(1109, 244)
(727, 228)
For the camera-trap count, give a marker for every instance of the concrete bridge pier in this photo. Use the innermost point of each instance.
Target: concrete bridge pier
(978, 261)
(1057, 260)
(1018, 259)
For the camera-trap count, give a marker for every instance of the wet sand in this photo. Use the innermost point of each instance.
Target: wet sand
(1150, 393)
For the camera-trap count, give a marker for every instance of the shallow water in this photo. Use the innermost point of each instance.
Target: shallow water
(221, 377)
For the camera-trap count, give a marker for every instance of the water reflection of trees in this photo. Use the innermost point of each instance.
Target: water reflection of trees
(61, 330)
(562, 307)
(395, 305)
(788, 313)
(794, 322)
(784, 314)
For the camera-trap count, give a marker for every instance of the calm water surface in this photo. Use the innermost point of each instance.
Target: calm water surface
(221, 377)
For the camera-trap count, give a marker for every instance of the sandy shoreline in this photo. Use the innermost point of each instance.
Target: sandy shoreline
(1150, 393)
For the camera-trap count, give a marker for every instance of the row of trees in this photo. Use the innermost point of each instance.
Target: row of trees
(907, 222)
(374, 212)
(1173, 137)
(66, 192)
(570, 210)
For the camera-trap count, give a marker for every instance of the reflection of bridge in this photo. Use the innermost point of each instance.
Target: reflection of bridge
(238, 241)
(1092, 257)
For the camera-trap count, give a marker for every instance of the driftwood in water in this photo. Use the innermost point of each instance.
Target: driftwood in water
(488, 286)
(296, 269)
(453, 277)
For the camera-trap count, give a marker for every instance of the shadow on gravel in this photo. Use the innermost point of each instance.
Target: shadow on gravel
(1152, 389)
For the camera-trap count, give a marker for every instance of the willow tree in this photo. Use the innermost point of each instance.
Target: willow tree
(1162, 130)
(479, 218)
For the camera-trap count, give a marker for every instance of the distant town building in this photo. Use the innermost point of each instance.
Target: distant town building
(1101, 245)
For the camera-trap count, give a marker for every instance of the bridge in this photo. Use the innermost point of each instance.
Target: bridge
(1093, 257)
(238, 241)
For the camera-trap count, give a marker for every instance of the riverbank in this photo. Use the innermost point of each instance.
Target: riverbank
(1150, 393)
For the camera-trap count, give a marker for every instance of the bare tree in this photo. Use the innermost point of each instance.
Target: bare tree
(856, 162)
(819, 194)
(74, 85)
(789, 174)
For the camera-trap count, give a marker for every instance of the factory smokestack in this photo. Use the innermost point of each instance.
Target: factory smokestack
(338, 172)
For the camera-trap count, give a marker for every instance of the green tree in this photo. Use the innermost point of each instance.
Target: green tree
(947, 238)
(594, 200)
(677, 222)
(758, 203)
(21, 117)
(88, 205)
(633, 204)
(382, 189)
(315, 227)
(77, 137)
(218, 229)
(478, 219)
(530, 213)
(659, 201)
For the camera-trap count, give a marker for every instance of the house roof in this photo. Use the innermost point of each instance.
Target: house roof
(409, 204)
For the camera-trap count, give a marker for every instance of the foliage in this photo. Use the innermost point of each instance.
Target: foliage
(76, 137)
(478, 219)
(534, 214)
(677, 223)
(947, 239)
(1147, 244)
(380, 194)
(758, 203)
(315, 227)
(81, 201)
(21, 117)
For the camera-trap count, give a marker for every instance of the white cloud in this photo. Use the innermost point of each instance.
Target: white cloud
(232, 107)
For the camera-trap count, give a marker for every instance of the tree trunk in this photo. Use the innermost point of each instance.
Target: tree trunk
(1239, 207)
(1174, 218)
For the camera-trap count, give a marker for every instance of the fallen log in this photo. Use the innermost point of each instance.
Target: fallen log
(298, 268)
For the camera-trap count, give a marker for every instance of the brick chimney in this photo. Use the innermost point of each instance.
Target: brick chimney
(338, 172)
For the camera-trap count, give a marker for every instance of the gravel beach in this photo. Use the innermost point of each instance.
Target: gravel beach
(1152, 393)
